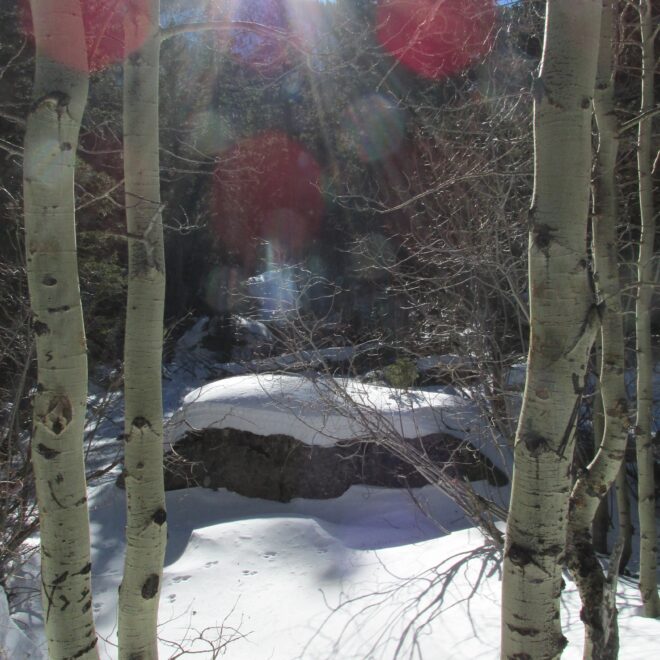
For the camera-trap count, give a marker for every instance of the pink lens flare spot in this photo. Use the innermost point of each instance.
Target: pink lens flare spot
(113, 30)
(436, 38)
(267, 188)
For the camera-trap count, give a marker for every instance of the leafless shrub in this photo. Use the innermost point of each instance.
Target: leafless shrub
(210, 642)
(412, 604)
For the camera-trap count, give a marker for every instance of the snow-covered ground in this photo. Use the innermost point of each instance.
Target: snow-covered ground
(357, 577)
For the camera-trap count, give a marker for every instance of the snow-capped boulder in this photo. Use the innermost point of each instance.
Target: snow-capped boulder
(280, 467)
(283, 436)
(323, 411)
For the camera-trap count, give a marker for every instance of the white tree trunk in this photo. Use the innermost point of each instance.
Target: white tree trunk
(601, 523)
(623, 516)
(51, 140)
(646, 486)
(564, 321)
(145, 528)
(598, 612)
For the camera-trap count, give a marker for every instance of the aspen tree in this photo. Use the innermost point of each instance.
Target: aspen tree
(564, 321)
(146, 532)
(644, 439)
(143, 455)
(51, 139)
(597, 590)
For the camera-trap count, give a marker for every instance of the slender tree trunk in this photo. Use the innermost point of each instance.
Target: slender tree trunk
(598, 609)
(51, 140)
(145, 528)
(646, 485)
(600, 525)
(624, 517)
(564, 322)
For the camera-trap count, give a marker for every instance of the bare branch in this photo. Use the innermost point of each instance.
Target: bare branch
(227, 26)
(631, 123)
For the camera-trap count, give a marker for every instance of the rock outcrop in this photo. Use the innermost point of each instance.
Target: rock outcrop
(279, 467)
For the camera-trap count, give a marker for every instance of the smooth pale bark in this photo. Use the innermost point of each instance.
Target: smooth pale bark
(145, 528)
(564, 321)
(51, 139)
(598, 609)
(644, 439)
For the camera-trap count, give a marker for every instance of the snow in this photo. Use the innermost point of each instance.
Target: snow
(447, 362)
(191, 362)
(343, 578)
(14, 643)
(252, 327)
(275, 291)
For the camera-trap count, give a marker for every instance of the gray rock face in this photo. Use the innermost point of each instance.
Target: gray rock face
(279, 467)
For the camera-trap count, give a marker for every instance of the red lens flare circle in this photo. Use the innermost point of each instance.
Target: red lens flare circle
(267, 189)
(112, 29)
(436, 38)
